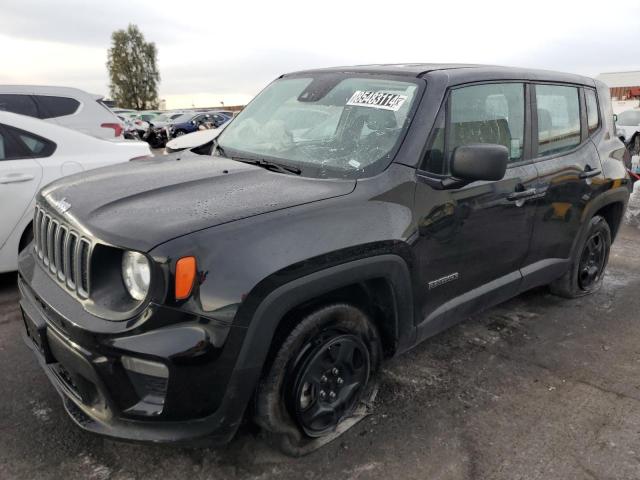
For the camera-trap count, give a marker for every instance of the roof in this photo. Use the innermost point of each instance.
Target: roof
(47, 90)
(409, 69)
(620, 79)
(459, 70)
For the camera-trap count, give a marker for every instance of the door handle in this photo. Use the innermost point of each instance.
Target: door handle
(589, 173)
(16, 178)
(530, 192)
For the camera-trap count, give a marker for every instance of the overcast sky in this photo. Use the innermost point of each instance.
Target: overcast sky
(228, 50)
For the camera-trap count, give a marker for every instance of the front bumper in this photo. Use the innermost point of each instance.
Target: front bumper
(205, 395)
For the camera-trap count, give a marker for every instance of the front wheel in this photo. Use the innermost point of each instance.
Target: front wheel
(320, 380)
(588, 263)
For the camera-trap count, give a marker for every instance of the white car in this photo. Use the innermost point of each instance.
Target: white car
(33, 153)
(627, 126)
(69, 107)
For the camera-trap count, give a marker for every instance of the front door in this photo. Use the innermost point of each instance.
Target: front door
(472, 240)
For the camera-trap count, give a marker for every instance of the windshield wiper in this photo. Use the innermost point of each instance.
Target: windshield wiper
(270, 165)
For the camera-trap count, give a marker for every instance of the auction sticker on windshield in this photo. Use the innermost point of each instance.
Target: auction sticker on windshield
(383, 100)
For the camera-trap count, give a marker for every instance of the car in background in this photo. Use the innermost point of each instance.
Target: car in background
(190, 122)
(33, 153)
(69, 107)
(200, 141)
(628, 129)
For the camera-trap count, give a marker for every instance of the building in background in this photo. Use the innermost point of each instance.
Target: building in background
(624, 88)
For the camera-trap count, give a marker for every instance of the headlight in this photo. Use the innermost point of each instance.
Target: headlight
(136, 274)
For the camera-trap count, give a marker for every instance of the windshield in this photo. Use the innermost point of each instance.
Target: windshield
(628, 118)
(328, 125)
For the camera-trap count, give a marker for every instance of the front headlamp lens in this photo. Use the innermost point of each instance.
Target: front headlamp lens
(136, 274)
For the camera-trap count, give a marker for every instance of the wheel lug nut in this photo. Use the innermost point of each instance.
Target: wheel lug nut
(340, 381)
(332, 395)
(323, 394)
(323, 379)
(335, 371)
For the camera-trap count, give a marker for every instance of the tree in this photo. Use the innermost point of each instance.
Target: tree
(133, 72)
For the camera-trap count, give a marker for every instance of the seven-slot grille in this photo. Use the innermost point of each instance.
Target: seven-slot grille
(63, 252)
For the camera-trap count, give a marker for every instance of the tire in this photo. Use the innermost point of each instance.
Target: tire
(321, 381)
(588, 263)
(179, 133)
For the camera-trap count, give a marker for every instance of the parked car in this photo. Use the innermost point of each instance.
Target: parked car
(34, 153)
(271, 280)
(65, 106)
(201, 140)
(190, 122)
(628, 129)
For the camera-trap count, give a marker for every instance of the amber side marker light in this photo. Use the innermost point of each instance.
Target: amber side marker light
(185, 276)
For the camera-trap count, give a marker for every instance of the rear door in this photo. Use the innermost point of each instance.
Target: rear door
(473, 240)
(570, 173)
(20, 176)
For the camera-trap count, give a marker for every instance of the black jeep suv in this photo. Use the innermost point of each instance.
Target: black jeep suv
(344, 216)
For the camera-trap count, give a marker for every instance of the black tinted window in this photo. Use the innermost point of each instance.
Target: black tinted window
(8, 148)
(22, 104)
(558, 118)
(21, 144)
(56, 106)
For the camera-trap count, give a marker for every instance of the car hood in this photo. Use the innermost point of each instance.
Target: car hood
(141, 204)
(192, 140)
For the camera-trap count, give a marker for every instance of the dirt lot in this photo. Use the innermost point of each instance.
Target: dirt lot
(537, 388)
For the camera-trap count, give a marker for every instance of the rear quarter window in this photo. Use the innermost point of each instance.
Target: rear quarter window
(17, 103)
(52, 107)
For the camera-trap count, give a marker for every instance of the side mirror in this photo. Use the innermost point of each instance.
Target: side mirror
(481, 161)
(615, 117)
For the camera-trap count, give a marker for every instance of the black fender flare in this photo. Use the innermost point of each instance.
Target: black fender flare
(276, 304)
(615, 195)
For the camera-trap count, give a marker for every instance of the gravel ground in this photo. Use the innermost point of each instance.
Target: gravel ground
(537, 388)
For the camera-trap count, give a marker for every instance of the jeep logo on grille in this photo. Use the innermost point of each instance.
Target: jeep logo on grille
(61, 205)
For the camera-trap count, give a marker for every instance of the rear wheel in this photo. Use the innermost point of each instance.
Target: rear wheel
(588, 263)
(321, 379)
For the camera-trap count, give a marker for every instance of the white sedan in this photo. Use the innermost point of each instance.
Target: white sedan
(34, 153)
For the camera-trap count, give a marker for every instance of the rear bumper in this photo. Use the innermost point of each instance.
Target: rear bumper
(96, 390)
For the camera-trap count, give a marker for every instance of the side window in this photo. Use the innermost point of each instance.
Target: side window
(491, 113)
(22, 104)
(20, 144)
(52, 107)
(593, 115)
(558, 118)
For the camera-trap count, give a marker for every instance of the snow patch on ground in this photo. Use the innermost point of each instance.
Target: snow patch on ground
(40, 411)
(632, 215)
(95, 470)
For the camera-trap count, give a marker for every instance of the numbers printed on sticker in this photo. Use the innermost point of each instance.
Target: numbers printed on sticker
(383, 100)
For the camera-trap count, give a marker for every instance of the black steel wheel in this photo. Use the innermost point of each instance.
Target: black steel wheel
(588, 262)
(592, 260)
(320, 380)
(327, 378)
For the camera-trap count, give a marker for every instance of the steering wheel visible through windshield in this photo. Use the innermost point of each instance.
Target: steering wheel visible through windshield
(326, 124)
